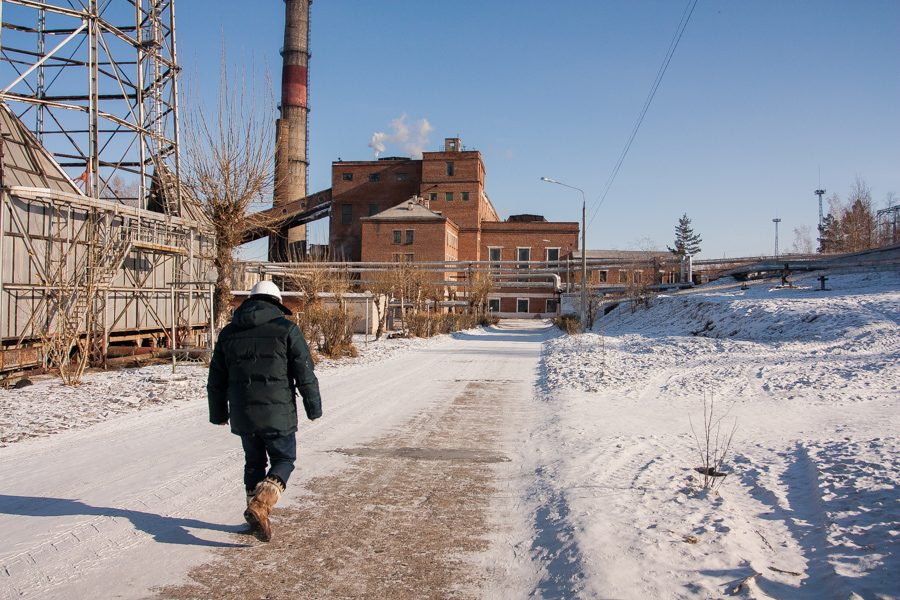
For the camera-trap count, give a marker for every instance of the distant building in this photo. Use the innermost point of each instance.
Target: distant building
(436, 209)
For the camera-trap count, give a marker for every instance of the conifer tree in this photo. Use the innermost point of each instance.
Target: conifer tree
(686, 241)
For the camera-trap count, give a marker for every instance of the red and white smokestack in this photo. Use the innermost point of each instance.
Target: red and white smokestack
(291, 129)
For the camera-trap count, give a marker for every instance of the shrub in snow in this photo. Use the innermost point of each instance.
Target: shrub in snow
(713, 443)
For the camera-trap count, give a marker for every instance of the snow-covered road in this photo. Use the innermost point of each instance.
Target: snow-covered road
(126, 506)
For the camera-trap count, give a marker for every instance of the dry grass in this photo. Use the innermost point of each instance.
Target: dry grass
(571, 324)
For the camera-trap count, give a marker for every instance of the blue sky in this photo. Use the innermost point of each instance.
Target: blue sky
(758, 99)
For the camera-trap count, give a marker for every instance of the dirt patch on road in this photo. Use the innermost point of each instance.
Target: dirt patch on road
(404, 521)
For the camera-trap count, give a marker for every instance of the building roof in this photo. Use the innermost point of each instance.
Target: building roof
(409, 210)
(26, 162)
(530, 226)
(526, 218)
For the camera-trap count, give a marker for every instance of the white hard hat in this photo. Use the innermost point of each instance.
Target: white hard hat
(266, 288)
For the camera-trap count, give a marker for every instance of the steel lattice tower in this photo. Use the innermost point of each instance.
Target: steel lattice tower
(98, 79)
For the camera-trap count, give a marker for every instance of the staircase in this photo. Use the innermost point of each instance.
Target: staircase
(98, 269)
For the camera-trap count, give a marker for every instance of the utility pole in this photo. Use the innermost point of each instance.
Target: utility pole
(584, 280)
(776, 220)
(821, 192)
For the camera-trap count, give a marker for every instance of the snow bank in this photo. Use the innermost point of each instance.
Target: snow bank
(811, 503)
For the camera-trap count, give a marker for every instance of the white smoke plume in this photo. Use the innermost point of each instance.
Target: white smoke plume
(412, 140)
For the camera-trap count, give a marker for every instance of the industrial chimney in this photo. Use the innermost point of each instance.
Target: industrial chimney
(291, 129)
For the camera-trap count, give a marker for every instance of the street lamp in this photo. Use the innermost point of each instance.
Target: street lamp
(584, 281)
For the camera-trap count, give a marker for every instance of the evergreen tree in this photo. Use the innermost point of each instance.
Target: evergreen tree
(830, 238)
(686, 241)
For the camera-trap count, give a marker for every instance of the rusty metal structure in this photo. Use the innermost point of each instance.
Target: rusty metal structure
(99, 243)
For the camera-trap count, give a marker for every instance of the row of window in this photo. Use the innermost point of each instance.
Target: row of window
(374, 209)
(347, 212)
(524, 305)
(495, 254)
(375, 177)
(399, 176)
(398, 236)
(448, 196)
(637, 276)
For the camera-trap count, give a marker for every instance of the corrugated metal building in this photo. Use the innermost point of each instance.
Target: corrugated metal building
(70, 264)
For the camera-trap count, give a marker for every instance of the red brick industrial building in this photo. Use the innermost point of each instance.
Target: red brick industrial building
(436, 209)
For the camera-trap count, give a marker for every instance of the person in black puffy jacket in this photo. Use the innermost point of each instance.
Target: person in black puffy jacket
(260, 359)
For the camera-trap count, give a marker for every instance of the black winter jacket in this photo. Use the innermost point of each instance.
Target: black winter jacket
(259, 359)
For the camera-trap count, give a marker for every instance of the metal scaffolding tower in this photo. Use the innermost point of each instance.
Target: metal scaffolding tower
(98, 80)
(98, 241)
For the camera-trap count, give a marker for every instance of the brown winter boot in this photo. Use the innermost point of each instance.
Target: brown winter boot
(265, 496)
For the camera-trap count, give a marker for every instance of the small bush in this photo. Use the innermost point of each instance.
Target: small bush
(488, 319)
(328, 330)
(571, 324)
(429, 324)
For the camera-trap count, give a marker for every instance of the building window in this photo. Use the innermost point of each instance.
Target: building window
(409, 257)
(602, 276)
(396, 257)
(623, 276)
(448, 196)
(402, 176)
(347, 176)
(346, 214)
(409, 236)
(373, 209)
(494, 254)
(465, 196)
(551, 305)
(434, 196)
(374, 176)
(523, 254)
(494, 304)
(521, 305)
(552, 254)
(638, 276)
(396, 236)
(450, 168)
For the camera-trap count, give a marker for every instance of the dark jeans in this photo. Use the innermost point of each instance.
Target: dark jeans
(258, 450)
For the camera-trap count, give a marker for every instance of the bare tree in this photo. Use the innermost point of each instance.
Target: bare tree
(850, 227)
(382, 284)
(480, 288)
(228, 166)
(803, 243)
(858, 221)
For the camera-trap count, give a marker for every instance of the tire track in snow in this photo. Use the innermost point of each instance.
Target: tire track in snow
(40, 570)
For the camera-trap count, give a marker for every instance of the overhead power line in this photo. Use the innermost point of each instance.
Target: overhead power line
(673, 45)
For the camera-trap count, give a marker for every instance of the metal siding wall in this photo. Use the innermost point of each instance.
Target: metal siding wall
(19, 304)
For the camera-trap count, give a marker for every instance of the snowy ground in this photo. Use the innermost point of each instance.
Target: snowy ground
(49, 407)
(509, 462)
(811, 379)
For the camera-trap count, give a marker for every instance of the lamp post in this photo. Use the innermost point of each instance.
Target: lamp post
(584, 281)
